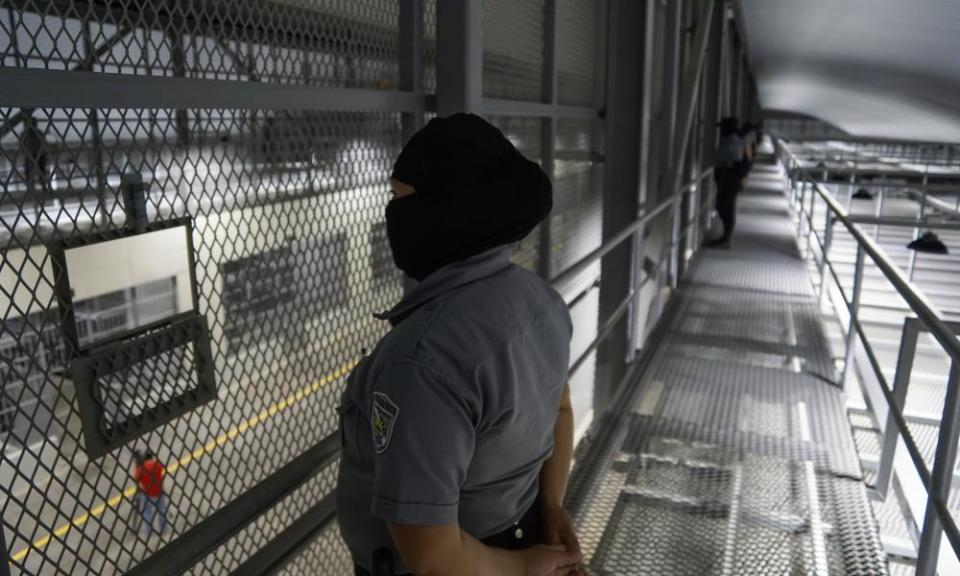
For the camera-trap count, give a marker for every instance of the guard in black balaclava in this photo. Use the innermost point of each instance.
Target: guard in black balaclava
(473, 191)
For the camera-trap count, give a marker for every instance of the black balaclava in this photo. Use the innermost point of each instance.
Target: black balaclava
(473, 191)
(729, 125)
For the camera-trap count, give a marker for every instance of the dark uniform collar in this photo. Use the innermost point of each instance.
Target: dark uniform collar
(447, 278)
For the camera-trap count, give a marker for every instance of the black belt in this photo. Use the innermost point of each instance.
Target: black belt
(525, 533)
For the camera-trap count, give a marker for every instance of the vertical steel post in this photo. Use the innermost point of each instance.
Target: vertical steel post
(713, 81)
(689, 91)
(901, 381)
(548, 128)
(634, 337)
(854, 309)
(917, 231)
(881, 196)
(802, 207)
(637, 311)
(941, 477)
(673, 78)
(5, 557)
(411, 61)
(180, 71)
(827, 241)
(810, 223)
(96, 136)
(675, 214)
(851, 187)
(411, 73)
(622, 182)
(459, 56)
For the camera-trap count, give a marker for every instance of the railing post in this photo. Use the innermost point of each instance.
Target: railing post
(941, 478)
(854, 308)
(901, 381)
(827, 241)
(879, 212)
(810, 218)
(912, 264)
(851, 187)
(675, 215)
(636, 276)
(801, 198)
(548, 128)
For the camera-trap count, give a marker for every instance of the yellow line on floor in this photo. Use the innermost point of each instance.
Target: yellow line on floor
(196, 454)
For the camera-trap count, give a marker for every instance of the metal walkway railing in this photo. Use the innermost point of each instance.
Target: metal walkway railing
(927, 485)
(730, 451)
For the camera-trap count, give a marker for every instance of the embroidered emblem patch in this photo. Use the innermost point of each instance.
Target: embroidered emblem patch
(384, 417)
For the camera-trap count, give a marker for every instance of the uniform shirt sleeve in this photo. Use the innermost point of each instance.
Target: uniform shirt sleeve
(424, 433)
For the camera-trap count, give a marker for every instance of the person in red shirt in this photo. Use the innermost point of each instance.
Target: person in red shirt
(149, 473)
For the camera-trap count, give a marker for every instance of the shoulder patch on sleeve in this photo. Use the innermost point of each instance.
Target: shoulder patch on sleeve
(384, 416)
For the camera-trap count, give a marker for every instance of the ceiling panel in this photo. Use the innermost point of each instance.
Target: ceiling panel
(877, 68)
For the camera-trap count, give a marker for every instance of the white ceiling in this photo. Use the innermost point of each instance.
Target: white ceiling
(875, 68)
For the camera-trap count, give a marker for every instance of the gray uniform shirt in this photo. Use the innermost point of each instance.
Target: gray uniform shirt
(449, 419)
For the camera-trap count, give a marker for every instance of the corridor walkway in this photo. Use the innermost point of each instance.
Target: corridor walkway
(732, 453)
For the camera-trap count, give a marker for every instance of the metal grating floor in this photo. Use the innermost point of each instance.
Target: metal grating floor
(734, 454)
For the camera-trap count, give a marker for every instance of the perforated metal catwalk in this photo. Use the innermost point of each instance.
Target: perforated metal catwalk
(732, 453)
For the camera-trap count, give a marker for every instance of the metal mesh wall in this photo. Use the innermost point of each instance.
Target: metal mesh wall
(577, 218)
(525, 135)
(576, 53)
(342, 43)
(290, 248)
(430, 46)
(291, 261)
(513, 49)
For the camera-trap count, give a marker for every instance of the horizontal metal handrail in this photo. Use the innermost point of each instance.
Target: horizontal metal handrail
(578, 267)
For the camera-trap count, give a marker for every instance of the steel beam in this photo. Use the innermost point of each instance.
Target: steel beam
(621, 199)
(459, 56)
(941, 477)
(301, 533)
(711, 94)
(500, 107)
(411, 61)
(86, 64)
(691, 84)
(62, 89)
(548, 78)
(639, 309)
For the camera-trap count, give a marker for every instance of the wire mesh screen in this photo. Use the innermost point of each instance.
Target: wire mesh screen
(430, 46)
(577, 218)
(290, 251)
(513, 49)
(344, 43)
(525, 134)
(576, 51)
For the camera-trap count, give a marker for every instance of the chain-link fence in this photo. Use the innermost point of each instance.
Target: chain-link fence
(288, 248)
